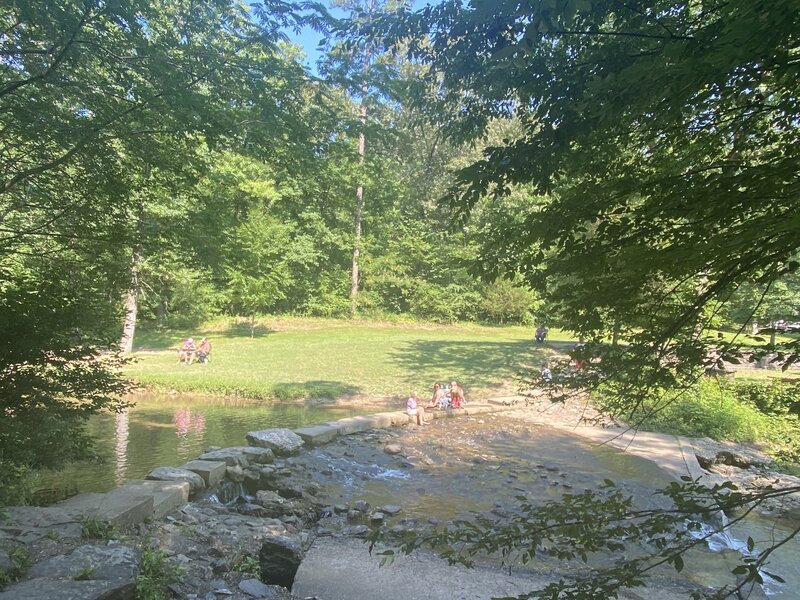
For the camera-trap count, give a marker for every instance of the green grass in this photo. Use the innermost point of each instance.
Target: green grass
(292, 358)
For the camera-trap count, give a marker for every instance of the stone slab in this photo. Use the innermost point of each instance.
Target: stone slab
(353, 425)
(117, 507)
(478, 409)
(167, 495)
(211, 471)
(196, 483)
(315, 435)
(47, 589)
(395, 418)
(283, 442)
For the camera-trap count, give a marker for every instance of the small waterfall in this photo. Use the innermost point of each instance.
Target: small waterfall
(719, 538)
(227, 493)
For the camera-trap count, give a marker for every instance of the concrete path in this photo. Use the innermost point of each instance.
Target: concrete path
(343, 569)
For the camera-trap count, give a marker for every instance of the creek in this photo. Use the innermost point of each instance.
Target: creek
(448, 469)
(163, 430)
(459, 466)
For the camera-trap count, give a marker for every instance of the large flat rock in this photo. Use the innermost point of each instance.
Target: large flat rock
(316, 435)
(90, 572)
(196, 483)
(117, 507)
(167, 495)
(283, 442)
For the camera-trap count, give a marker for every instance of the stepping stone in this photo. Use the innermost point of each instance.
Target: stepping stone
(117, 507)
(282, 442)
(167, 495)
(211, 471)
(196, 483)
(317, 434)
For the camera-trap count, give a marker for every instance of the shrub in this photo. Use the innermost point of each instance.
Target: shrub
(709, 409)
(155, 575)
(504, 302)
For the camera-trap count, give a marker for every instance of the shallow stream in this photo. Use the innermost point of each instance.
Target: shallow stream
(458, 466)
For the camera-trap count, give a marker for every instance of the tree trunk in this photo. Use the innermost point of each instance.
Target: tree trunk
(362, 112)
(131, 302)
(132, 296)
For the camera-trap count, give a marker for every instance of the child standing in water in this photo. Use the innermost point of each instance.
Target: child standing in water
(414, 410)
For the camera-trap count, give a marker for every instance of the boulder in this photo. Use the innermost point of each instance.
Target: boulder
(241, 456)
(91, 572)
(235, 474)
(282, 442)
(280, 557)
(257, 589)
(196, 483)
(393, 448)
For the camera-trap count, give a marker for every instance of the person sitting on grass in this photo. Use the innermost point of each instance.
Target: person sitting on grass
(541, 333)
(456, 395)
(413, 410)
(186, 351)
(203, 350)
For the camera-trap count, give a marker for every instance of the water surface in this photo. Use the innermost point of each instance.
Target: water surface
(164, 430)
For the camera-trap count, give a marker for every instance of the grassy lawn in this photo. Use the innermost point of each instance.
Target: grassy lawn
(317, 358)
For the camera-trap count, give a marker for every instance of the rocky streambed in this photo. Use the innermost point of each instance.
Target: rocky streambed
(246, 537)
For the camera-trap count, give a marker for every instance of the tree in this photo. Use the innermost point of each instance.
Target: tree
(661, 135)
(259, 274)
(661, 139)
(95, 97)
(352, 66)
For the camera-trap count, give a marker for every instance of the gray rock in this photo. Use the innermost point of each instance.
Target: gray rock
(39, 589)
(282, 442)
(241, 456)
(196, 483)
(95, 562)
(235, 474)
(391, 509)
(393, 448)
(280, 557)
(105, 572)
(257, 589)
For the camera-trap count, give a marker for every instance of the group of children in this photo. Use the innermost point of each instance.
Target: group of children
(444, 397)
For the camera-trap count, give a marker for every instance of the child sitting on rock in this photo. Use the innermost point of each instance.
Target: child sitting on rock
(414, 410)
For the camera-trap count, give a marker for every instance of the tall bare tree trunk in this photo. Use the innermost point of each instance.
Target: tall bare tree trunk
(131, 302)
(132, 296)
(360, 188)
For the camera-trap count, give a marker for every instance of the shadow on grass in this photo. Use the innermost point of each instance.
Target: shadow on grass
(482, 363)
(242, 330)
(314, 390)
(165, 339)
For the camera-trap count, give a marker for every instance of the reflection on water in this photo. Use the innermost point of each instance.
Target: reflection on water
(162, 430)
(121, 446)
